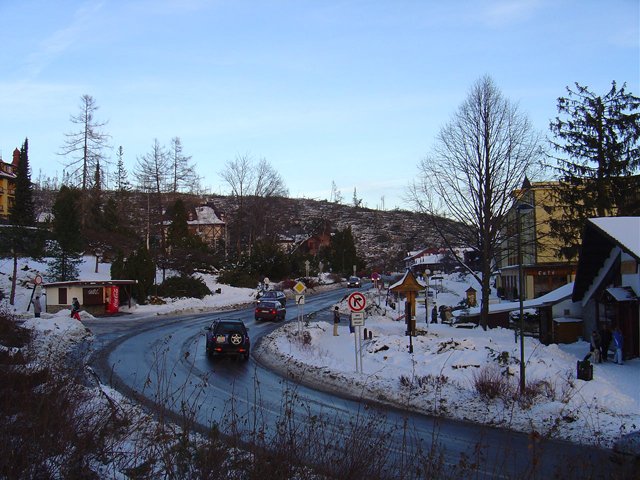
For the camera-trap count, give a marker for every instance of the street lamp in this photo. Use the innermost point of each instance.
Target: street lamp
(521, 209)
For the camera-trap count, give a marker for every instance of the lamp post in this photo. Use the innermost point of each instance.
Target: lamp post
(521, 208)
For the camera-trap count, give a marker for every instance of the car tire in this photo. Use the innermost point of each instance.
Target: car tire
(245, 357)
(208, 351)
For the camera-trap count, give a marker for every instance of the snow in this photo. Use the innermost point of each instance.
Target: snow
(625, 230)
(437, 379)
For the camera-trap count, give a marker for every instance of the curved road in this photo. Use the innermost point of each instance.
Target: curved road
(162, 359)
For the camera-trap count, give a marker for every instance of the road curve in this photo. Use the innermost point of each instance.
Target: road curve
(161, 360)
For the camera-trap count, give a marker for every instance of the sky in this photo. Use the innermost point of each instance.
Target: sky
(351, 92)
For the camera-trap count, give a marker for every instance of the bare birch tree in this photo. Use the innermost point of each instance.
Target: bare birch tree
(86, 148)
(479, 159)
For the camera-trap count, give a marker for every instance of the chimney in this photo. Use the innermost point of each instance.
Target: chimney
(16, 157)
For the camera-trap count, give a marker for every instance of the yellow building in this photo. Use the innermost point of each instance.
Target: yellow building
(8, 173)
(543, 270)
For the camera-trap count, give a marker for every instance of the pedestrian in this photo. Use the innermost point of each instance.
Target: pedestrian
(75, 309)
(447, 315)
(37, 307)
(605, 341)
(336, 321)
(443, 316)
(618, 345)
(434, 314)
(594, 347)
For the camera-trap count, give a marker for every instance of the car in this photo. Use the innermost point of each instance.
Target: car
(270, 310)
(227, 337)
(273, 295)
(354, 282)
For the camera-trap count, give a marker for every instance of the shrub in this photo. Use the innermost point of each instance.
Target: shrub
(489, 382)
(238, 278)
(176, 287)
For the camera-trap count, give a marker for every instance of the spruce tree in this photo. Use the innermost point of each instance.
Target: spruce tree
(23, 211)
(598, 154)
(66, 251)
(178, 231)
(139, 266)
(21, 239)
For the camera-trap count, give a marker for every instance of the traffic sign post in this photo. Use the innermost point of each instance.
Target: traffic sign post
(357, 302)
(299, 288)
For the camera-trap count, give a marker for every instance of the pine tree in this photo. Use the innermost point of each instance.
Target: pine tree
(21, 239)
(139, 266)
(66, 251)
(23, 211)
(600, 154)
(178, 231)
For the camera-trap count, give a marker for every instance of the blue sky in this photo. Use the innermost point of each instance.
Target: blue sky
(351, 92)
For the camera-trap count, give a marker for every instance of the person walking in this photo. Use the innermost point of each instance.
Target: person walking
(336, 321)
(434, 314)
(37, 307)
(75, 309)
(605, 341)
(618, 345)
(594, 348)
(447, 315)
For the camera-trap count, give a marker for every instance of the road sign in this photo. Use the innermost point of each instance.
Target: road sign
(299, 287)
(357, 319)
(299, 299)
(375, 276)
(357, 302)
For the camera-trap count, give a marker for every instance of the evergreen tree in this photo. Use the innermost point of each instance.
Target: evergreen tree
(178, 231)
(117, 266)
(66, 251)
(23, 211)
(600, 151)
(139, 266)
(21, 239)
(341, 253)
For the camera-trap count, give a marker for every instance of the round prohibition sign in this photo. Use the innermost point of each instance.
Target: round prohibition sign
(357, 302)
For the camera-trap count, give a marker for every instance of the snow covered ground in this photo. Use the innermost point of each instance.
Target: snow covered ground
(438, 378)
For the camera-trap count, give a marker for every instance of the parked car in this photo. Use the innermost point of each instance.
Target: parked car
(227, 337)
(354, 282)
(273, 295)
(270, 310)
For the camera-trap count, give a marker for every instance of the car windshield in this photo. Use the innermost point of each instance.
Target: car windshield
(268, 304)
(354, 279)
(225, 327)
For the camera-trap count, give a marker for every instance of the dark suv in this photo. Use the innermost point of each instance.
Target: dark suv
(270, 310)
(273, 295)
(227, 337)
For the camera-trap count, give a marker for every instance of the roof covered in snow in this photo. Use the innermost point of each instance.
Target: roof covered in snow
(624, 230)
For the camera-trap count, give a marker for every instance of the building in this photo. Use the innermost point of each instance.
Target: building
(543, 270)
(8, 172)
(97, 297)
(204, 222)
(607, 283)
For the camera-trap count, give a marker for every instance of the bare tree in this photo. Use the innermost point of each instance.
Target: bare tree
(153, 174)
(480, 158)
(184, 177)
(251, 183)
(86, 149)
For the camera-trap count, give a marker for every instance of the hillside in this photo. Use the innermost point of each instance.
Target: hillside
(383, 237)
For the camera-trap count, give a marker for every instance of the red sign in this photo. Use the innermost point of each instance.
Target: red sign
(357, 302)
